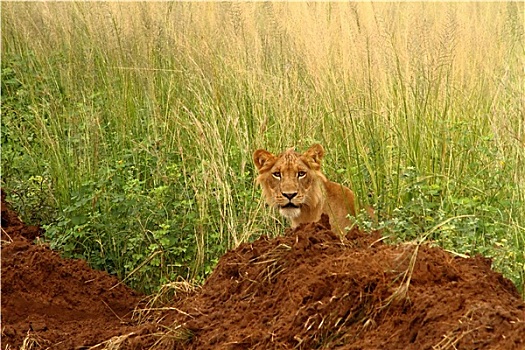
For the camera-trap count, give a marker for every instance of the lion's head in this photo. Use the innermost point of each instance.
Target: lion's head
(291, 182)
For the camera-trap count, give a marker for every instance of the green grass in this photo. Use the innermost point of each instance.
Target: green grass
(128, 128)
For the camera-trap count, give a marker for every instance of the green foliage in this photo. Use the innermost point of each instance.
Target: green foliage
(29, 187)
(143, 234)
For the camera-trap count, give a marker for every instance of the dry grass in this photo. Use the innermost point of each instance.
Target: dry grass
(454, 336)
(272, 263)
(33, 342)
(8, 239)
(167, 295)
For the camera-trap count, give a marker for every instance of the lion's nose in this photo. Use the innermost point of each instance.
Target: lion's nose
(289, 195)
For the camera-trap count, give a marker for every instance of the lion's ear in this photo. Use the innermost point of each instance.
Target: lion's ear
(314, 155)
(262, 158)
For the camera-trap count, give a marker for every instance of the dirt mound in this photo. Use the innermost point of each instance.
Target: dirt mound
(307, 289)
(310, 289)
(52, 302)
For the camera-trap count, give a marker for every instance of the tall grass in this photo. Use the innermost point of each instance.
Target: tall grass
(133, 124)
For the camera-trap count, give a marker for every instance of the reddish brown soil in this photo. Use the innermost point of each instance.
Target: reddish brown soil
(308, 289)
(59, 303)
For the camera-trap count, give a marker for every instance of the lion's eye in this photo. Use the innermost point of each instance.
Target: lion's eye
(277, 175)
(301, 174)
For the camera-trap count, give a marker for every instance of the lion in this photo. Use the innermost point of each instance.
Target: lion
(294, 184)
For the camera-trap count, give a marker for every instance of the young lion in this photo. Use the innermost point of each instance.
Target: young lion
(294, 184)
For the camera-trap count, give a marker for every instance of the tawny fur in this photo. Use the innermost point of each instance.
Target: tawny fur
(294, 184)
